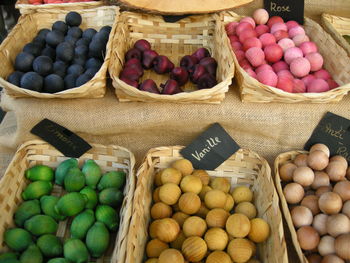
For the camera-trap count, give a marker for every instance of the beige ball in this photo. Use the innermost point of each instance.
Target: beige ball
(341, 245)
(204, 191)
(326, 246)
(180, 218)
(153, 228)
(216, 239)
(155, 247)
(160, 210)
(194, 249)
(170, 175)
(215, 199)
(221, 183)
(217, 217)
(338, 224)
(203, 175)
(167, 230)
(171, 255)
(184, 166)
(293, 193)
(191, 184)
(189, 203)
(155, 195)
(238, 225)
(320, 147)
(336, 171)
(152, 260)
(240, 250)
(300, 160)
(242, 194)
(332, 259)
(317, 160)
(194, 226)
(177, 243)
(330, 203)
(218, 257)
(246, 208)
(304, 175)
(203, 211)
(229, 203)
(286, 172)
(259, 230)
(157, 178)
(169, 193)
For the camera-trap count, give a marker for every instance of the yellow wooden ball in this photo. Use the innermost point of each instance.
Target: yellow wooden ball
(216, 239)
(157, 180)
(246, 208)
(189, 203)
(194, 249)
(218, 257)
(238, 225)
(194, 226)
(239, 250)
(167, 230)
(253, 246)
(180, 218)
(160, 210)
(203, 211)
(170, 175)
(221, 183)
(169, 193)
(177, 243)
(242, 194)
(152, 260)
(215, 199)
(205, 190)
(230, 203)
(184, 166)
(217, 217)
(153, 228)
(203, 175)
(171, 255)
(155, 247)
(155, 195)
(191, 184)
(259, 230)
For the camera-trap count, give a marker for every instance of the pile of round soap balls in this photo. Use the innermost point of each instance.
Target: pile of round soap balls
(62, 58)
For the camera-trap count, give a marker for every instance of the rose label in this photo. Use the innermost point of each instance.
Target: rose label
(67, 142)
(287, 9)
(333, 131)
(211, 148)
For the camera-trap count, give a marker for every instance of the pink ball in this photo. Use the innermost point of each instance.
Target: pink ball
(231, 28)
(308, 47)
(292, 53)
(278, 26)
(242, 27)
(280, 35)
(307, 80)
(236, 46)
(300, 67)
(261, 16)
(268, 77)
(316, 60)
(245, 64)
(247, 34)
(299, 86)
(262, 29)
(285, 84)
(317, 86)
(233, 39)
(251, 42)
(255, 56)
(322, 74)
(273, 20)
(249, 20)
(286, 43)
(291, 24)
(251, 73)
(267, 39)
(262, 68)
(240, 55)
(332, 84)
(280, 65)
(298, 39)
(285, 73)
(273, 53)
(297, 30)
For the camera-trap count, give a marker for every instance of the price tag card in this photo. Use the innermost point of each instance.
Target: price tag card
(67, 142)
(333, 131)
(211, 148)
(287, 9)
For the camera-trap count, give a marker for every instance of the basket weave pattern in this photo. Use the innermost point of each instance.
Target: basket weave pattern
(27, 28)
(109, 158)
(337, 26)
(244, 167)
(336, 62)
(280, 160)
(174, 40)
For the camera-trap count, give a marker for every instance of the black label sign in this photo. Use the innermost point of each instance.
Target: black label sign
(68, 143)
(287, 9)
(211, 148)
(333, 131)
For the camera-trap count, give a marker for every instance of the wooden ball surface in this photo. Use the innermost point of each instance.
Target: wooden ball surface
(217, 217)
(194, 249)
(218, 257)
(169, 193)
(242, 194)
(160, 210)
(167, 230)
(238, 225)
(180, 218)
(203, 175)
(171, 255)
(216, 238)
(194, 226)
(184, 166)
(191, 184)
(170, 175)
(189, 203)
(259, 230)
(155, 247)
(215, 199)
(240, 250)
(221, 183)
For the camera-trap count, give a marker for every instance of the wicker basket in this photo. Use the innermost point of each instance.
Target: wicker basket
(38, 152)
(336, 62)
(337, 26)
(244, 167)
(27, 28)
(26, 8)
(280, 160)
(173, 40)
